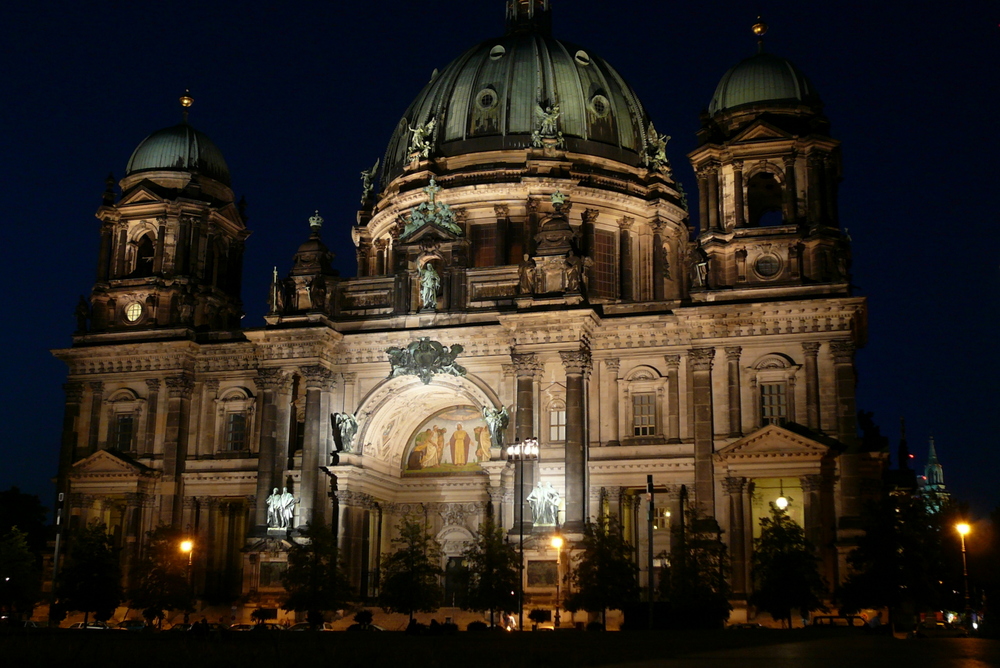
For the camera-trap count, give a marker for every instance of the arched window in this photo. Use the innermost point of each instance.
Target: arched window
(236, 420)
(144, 253)
(773, 380)
(764, 200)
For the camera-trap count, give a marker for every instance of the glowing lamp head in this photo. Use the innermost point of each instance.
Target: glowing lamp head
(781, 503)
(187, 546)
(963, 528)
(557, 541)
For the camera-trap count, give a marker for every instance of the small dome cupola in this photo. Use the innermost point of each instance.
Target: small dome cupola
(763, 79)
(180, 148)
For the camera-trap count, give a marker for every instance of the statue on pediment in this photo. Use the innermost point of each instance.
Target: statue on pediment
(424, 358)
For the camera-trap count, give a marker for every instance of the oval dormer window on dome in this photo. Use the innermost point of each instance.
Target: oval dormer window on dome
(497, 52)
(582, 57)
(600, 105)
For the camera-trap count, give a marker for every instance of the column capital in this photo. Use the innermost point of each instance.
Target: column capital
(810, 348)
(734, 485)
(701, 358)
(733, 353)
(501, 210)
(317, 377)
(74, 392)
(525, 364)
(737, 165)
(96, 386)
(576, 361)
(271, 378)
(532, 205)
(507, 370)
(179, 387)
(811, 483)
(842, 351)
(673, 361)
(590, 215)
(625, 223)
(350, 377)
(613, 364)
(211, 384)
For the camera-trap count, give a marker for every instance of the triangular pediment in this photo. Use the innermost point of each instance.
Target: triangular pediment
(139, 195)
(429, 231)
(105, 463)
(771, 442)
(760, 130)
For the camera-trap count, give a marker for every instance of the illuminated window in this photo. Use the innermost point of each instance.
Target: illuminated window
(484, 245)
(773, 403)
(236, 431)
(604, 264)
(557, 424)
(643, 414)
(661, 519)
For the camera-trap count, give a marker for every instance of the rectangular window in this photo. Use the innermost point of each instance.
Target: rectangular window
(124, 427)
(484, 245)
(773, 403)
(661, 519)
(236, 432)
(644, 414)
(557, 425)
(604, 264)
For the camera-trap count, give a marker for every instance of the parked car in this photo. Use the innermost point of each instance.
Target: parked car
(304, 626)
(267, 626)
(132, 625)
(932, 628)
(96, 626)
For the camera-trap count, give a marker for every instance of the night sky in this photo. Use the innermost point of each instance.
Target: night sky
(301, 96)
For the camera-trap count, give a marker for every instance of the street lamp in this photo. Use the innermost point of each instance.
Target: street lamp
(557, 542)
(526, 450)
(187, 546)
(963, 529)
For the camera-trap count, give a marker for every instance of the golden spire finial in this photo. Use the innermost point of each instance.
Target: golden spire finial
(759, 28)
(186, 102)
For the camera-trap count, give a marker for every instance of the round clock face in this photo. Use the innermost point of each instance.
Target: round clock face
(133, 311)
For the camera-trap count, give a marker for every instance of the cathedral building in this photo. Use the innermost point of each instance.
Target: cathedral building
(527, 272)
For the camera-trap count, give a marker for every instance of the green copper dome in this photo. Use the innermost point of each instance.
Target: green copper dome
(179, 148)
(490, 98)
(762, 78)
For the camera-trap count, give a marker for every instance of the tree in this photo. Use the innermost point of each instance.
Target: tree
(164, 583)
(693, 584)
(20, 578)
(91, 580)
(315, 580)
(410, 575)
(605, 575)
(785, 569)
(493, 571)
(24, 511)
(898, 562)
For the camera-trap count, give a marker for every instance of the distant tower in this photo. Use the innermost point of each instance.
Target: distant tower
(932, 487)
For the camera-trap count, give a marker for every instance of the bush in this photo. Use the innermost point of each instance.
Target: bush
(477, 626)
(595, 626)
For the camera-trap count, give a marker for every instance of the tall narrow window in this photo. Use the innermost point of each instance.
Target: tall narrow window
(124, 430)
(557, 424)
(484, 244)
(643, 414)
(604, 264)
(144, 254)
(773, 403)
(236, 431)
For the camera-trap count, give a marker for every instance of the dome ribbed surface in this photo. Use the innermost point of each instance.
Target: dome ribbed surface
(762, 78)
(179, 148)
(487, 98)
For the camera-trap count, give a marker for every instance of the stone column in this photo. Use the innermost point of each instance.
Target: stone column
(713, 197)
(526, 367)
(104, 256)
(282, 425)
(609, 407)
(735, 489)
(361, 255)
(811, 349)
(673, 398)
(175, 435)
(850, 473)
(738, 193)
(703, 199)
(94, 426)
(70, 435)
(812, 486)
(182, 245)
(148, 443)
(701, 360)
(311, 490)
(614, 496)
(119, 270)
(578, 366)
(589, 231)
(829, 190)
(530, 225)
(627, 269)
(381, 253)
(790, 193)
(496, 503)
(658, 257)
(268, 381)
(209, 400)
(735, 400)
(350, 383)
(502, 213)
(815, 193)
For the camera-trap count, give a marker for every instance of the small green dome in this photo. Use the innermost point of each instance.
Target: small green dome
(762, 78)
(179, 148)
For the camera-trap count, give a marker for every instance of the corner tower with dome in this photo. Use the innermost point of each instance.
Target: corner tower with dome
(528, 271)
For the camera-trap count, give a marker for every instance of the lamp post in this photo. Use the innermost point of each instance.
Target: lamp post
(519, 453)
(557, 542)
(962, 528)
(187, 546)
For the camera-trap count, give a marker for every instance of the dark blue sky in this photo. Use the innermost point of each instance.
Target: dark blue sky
(301, 96)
